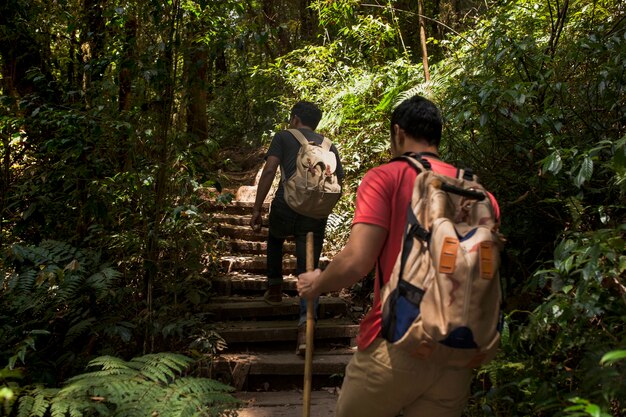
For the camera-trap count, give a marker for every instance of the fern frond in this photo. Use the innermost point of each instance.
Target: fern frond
(40, 406)
(23, 282)
(59, 409)
(78, 329)
(95, 378)
(70, 288)
(166, 364)
(102, 280)
(338, 220)
(198, 396)
(75, 411)
(25, 406)
(424, 89)
(58, 252)
(147, 385)
(158, 373)
(36, 402)
(108, 362)
(200, 385)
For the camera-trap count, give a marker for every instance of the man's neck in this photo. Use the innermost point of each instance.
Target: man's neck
(419, 147)
(297, 124)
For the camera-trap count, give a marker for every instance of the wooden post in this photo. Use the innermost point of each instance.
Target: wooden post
(310, 323)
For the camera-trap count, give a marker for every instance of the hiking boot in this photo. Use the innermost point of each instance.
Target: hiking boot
(274, 295)
(301, 341)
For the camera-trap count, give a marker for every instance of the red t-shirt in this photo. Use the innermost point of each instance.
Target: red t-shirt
(382, 199)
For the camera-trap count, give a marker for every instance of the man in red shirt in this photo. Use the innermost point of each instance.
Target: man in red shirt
(382, 380)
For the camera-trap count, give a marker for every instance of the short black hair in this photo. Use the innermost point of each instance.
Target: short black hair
(309, 114)
(420, 118)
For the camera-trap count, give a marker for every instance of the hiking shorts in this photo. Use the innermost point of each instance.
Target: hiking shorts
(383, 380)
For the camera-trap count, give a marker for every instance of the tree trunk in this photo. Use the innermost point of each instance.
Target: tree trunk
(20, 53)
(5, 174)
(196, 66)
(92, 44)
(308, 21)
(272, 20)
(166, 66)
(127, 65)
(420, 11)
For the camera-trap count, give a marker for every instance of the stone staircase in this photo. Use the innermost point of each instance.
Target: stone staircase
(260, 361)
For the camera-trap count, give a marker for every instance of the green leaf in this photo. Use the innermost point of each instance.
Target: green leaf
(553, 163)
(585, 172)
(613, 356)
(619, 158)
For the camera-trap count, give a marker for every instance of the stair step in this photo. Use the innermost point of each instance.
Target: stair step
(255, 248)
(237, 219)
(243, 282)
(254, 264)
(258, 263)
(235, 308)
(325, 362)
(238, 207)
(286, 403)
(283, 330)
(242, 232)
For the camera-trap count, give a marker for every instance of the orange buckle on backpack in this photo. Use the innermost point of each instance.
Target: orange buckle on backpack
(485, 253)
(447, 259)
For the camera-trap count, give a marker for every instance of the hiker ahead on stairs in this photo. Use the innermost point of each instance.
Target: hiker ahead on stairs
(310, 186)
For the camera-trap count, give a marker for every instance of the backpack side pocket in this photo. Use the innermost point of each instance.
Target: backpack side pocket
(401, 309)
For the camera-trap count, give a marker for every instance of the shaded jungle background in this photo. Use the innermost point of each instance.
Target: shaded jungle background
(121, 121)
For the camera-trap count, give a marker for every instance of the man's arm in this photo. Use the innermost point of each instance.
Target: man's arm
(355, 261)
(265, 183)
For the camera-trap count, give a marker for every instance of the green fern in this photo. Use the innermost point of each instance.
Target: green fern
(36, 404)
(68, 286)
(142, 386)
(77, 329)
(103, 279)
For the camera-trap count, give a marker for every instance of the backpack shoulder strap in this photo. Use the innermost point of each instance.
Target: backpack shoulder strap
(299, 136)
(466, 174)
(326, 144)
(415, 161)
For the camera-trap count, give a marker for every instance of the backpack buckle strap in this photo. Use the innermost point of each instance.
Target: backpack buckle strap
(416, 229)
(466, 174)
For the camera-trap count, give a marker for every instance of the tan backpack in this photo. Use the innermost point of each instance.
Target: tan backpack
(443, 299)
(313, 189)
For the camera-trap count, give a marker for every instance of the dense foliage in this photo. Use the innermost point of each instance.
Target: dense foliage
(115, 118)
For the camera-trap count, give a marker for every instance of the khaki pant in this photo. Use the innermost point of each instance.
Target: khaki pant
(383, 380)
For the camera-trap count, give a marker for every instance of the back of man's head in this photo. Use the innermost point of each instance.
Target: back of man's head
(420, 118)
(309, 114)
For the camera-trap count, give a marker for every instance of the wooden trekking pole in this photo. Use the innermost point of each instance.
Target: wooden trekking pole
(310, 322)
